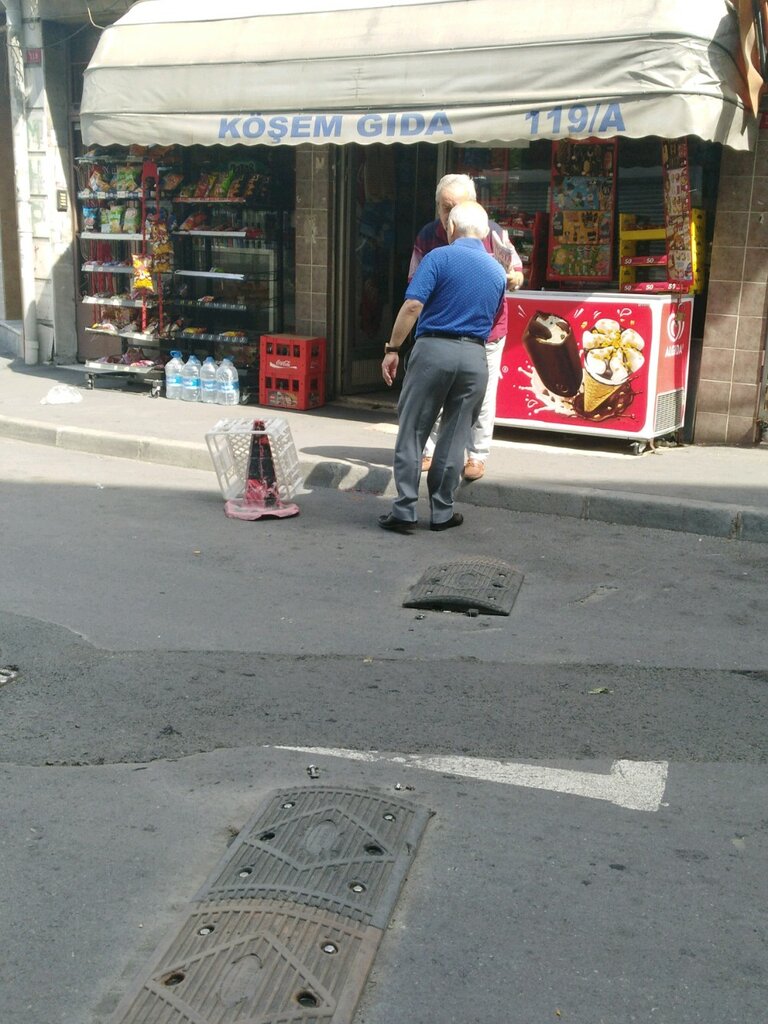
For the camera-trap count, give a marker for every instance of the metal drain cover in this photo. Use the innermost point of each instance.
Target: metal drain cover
(254, 961)
(486, 584)
(343, 850)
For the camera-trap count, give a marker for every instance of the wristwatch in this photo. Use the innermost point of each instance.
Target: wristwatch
(391, 348)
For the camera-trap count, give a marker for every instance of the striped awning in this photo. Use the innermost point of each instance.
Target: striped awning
(192, 72)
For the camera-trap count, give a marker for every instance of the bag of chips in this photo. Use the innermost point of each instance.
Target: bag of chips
(90, 218)
(142, 273)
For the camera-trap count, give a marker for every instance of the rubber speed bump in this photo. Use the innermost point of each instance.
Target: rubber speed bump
(480, 584)
(343, 850)
(254, 963)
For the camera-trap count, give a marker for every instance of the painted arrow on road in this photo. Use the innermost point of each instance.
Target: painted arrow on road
(636, 785)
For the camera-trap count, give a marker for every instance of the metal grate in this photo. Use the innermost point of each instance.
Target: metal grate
(669, 412)
(249, 961)
(343, 850)
(481, 584)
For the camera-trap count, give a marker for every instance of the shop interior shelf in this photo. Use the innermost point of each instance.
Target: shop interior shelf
(229, 307)
(644, 234)
(108, 158)
(105, 268)
(87, 194)
(645, 261)
(212, 273)
(212, 234)
(146, 340)
(241, 200)
(227, 338)
(105, 236)
(94, 300)
(141, 371)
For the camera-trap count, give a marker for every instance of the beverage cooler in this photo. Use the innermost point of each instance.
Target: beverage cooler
(612, 365)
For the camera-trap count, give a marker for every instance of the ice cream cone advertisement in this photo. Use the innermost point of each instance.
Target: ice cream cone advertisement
(595, 363)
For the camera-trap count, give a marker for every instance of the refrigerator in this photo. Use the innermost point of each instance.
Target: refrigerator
(607, 364)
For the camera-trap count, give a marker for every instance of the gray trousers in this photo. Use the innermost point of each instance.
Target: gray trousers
(442, 373)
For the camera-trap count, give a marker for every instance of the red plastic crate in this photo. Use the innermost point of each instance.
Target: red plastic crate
(292, 390)
(294, 352)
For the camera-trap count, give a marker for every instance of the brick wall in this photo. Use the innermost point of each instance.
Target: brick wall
(735, 329)
(312, 258)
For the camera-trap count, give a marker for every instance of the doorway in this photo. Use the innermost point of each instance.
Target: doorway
(388, 195)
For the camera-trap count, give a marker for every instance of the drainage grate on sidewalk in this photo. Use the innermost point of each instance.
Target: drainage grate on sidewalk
(344, 850)
(484, 584)
(254, 961)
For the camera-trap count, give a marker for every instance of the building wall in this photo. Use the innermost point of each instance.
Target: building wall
(10, 284)
(729, 396)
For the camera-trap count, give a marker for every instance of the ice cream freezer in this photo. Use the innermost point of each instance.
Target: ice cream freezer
(608, 364)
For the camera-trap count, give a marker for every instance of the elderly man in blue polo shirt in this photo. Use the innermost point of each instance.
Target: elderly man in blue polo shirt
(454, 295)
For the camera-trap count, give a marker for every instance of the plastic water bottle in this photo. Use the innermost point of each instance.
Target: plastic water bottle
(190, 380)
(173, 369)
(208, 385)
(227, 383)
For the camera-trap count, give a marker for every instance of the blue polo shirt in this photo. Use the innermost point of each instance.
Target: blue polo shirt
(461, 286)
(432, 236)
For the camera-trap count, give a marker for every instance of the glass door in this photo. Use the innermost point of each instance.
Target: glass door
(389, 196)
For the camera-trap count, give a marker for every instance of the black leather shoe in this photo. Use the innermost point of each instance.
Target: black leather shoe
(390, 522)
(456, 520)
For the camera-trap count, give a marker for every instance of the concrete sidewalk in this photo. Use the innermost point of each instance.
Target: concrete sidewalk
(707, 490)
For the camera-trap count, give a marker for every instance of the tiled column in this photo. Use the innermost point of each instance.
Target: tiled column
(735, 329)
(312, 232)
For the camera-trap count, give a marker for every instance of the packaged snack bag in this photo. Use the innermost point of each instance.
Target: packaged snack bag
(171, 182)
(115, 219)
(160, 247)
(90, 218)
(131, 219)
(142, 274)
(98, 180)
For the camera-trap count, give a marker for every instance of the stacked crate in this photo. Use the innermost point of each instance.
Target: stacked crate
(292, 371)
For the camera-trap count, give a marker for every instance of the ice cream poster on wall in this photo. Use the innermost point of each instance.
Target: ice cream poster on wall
(576, 362)
(677, 210)
(581, 222)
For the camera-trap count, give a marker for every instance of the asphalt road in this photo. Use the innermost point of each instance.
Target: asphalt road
(163, 663)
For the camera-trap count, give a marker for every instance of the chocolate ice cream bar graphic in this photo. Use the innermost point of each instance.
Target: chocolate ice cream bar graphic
(551, 345)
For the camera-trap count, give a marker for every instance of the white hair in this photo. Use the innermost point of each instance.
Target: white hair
(469, 219)
(457, 185)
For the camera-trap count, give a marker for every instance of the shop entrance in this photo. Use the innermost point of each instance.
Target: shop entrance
(388, 195)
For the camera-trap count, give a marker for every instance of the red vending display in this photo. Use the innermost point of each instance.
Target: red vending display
(605, 364)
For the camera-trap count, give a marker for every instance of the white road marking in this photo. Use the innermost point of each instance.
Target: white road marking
(636, 785)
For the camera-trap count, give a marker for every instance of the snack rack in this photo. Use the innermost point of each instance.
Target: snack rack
(112, 241)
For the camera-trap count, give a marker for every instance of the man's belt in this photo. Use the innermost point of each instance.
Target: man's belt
(474, 338)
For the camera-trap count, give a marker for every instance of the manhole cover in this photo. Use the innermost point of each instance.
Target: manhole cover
(254, 960)
(344, 850)
(485, 584)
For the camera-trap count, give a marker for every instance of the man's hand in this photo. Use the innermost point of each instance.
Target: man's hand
(389, 365)
(514, 280)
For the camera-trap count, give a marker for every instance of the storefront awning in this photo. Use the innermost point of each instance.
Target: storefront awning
(192, 72)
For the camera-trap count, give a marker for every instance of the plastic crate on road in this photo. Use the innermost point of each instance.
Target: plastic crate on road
(233, 445)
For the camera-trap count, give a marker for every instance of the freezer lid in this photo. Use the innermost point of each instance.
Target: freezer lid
(505, 71)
